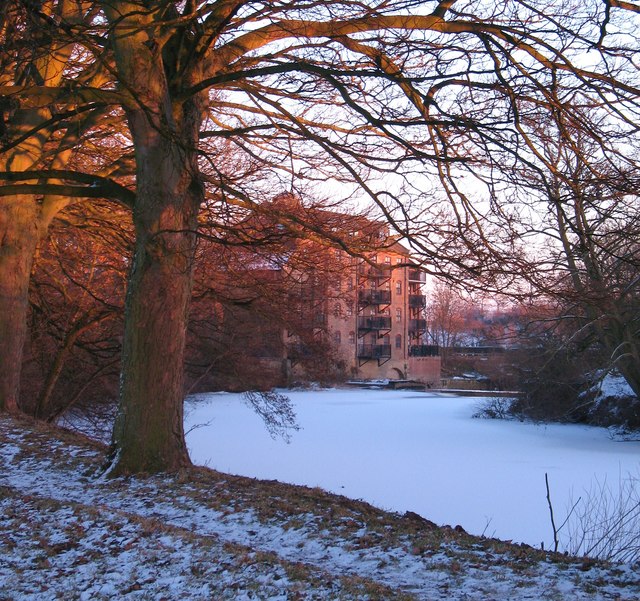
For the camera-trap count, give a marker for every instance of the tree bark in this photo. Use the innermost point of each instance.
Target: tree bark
(149, 433)
(18, 241)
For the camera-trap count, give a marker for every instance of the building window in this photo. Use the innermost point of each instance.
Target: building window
(398, 287)
(349, 311)
(350, 284)
(387, 260)
(337, 336)
(398, 260)
(352, 337)
(398, 315)
(399, 341)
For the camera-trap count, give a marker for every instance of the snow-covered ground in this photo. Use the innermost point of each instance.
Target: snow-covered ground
(68, 533)
(420, 452)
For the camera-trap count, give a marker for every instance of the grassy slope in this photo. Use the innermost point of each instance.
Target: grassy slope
(200, 534)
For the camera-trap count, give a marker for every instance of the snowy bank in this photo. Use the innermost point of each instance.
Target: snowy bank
(65, 533)
(420, 452)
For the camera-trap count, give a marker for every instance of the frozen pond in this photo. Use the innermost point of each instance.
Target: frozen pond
(421, 452)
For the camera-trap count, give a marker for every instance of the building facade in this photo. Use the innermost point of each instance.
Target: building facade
(303, 308)
(373, 315)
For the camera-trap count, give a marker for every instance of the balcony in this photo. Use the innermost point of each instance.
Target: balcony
(374, 351)
(415, 275)
(424, 350)
(374, 323)
(374, 297)
(417, 301)
(378, 272)
(417, 325)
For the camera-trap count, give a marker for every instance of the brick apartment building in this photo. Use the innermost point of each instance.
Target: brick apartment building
(331, 316)
(376, 321)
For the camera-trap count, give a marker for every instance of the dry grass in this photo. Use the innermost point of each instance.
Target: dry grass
(354, 526)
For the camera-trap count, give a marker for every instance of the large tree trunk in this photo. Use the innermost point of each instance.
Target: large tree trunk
(149, 435)
(19, 236)
(42, 63)
(18, 241)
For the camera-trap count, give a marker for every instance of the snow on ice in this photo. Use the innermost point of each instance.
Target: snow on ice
(420, 452)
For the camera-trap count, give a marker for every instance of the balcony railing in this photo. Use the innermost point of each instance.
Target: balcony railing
(417, 301)
(374, 351)
(424, 350)
(415, 275)
(374, 297)
(378, 272)
(417, 325)
(374, 323)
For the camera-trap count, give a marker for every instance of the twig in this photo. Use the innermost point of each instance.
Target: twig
(553, 522)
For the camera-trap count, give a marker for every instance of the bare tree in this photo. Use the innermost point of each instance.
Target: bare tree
(77, 296)
(336, 87)
(577, 203)
(374, 96)
(261, 296)
(41, 124)
(447, 314)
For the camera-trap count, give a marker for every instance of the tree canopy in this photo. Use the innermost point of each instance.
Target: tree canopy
(408, 104)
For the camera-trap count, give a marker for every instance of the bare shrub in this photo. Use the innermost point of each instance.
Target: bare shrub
(72, 357)
(94, 420)
(495, 408)
(553, 383)
(604, 523)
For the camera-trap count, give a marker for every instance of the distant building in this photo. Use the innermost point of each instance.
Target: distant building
(302, 308)
(374, 317)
